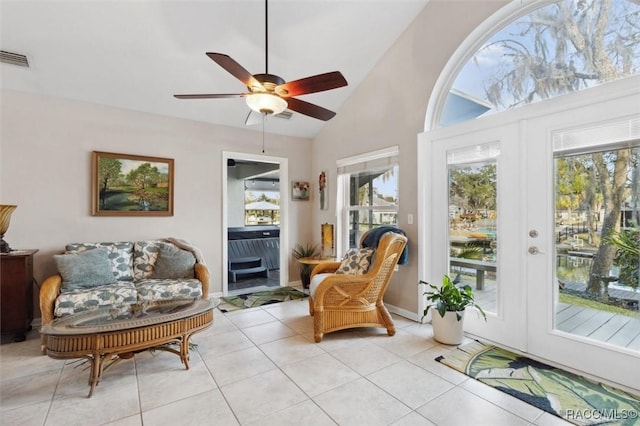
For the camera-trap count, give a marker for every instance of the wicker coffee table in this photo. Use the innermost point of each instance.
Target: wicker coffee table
(113, 334)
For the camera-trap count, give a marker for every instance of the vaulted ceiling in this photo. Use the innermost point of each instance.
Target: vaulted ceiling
(138, 54)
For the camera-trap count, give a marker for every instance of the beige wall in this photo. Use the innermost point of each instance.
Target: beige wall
(45, 152)
(389, 108)
(45, 147)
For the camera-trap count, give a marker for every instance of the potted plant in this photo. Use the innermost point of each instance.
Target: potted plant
(449, 302)
(300, 251)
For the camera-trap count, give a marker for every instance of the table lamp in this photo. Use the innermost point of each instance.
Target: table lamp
(5, 217)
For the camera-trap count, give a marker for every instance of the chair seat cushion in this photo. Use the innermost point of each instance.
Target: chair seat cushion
(119, 294)
(158, 289)
(315, 282)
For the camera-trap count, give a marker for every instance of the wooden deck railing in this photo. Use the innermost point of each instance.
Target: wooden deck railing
(479, 265)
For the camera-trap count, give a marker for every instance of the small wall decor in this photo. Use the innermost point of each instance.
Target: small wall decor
(131, 185)
(326, 232)
(322, 185)
(300, 191)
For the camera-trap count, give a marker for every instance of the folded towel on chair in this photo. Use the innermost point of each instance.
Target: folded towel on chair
(374, 235)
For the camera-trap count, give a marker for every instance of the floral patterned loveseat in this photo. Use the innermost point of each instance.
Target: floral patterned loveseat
(119, 274)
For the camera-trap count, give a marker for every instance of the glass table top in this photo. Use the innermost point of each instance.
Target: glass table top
(131, 316)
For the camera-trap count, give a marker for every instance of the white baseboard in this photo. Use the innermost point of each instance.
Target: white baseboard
(393, 309)
(403, 312)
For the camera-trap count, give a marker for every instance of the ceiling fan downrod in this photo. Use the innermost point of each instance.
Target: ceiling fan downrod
(266, 36)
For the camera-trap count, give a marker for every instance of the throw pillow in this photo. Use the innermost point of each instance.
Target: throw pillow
(145, 254)
(356, 261)
(120, 255)
(173, 263)
(90, 268)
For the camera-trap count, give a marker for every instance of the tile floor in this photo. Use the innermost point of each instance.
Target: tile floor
(261, 367)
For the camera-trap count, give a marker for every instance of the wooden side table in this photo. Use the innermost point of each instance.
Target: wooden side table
(317, 260)
(16, 294)
(311, 262)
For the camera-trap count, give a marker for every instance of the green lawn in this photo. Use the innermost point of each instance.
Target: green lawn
(587, 303)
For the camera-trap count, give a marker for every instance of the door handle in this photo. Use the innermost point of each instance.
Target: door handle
(534, 250)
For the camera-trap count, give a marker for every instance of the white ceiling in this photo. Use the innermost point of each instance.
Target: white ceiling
(137, 54)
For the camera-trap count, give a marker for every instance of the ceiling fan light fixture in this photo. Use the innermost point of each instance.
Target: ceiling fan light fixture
(266, 103)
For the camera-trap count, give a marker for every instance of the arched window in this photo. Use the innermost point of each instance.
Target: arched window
(554, 49)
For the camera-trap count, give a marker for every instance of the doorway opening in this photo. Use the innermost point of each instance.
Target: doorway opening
(255, 208)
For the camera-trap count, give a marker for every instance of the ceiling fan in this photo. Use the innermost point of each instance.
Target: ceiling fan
(269, 93)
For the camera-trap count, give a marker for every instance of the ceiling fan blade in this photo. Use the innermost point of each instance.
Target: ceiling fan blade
(313, 84)
(236, 70)
(211, 96)
(253, 118)
(309, 109)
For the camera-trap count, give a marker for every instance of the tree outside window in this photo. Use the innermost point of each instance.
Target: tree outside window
(559, 48)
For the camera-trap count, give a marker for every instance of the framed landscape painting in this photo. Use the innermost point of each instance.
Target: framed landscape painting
(131, 185)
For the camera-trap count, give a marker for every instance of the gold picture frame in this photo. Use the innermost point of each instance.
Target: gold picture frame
(131, 185)
(328, 242)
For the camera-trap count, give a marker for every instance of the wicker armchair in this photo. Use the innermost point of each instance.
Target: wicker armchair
(347, 301)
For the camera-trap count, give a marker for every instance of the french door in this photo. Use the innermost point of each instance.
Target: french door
(473, 229)
(495, 219)
(597, 335)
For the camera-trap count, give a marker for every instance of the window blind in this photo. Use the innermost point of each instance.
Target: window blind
(376, 160)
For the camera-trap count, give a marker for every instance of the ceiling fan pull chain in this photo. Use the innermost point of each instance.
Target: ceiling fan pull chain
(263, 118)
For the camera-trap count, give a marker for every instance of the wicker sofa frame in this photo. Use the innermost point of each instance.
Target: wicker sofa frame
(51, 287)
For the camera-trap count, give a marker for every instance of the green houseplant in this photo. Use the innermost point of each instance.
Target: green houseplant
(627, 243)
(300, 251)
(450, 303)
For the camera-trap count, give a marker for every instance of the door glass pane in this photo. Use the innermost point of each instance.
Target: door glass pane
(597, 245)
(473, 253)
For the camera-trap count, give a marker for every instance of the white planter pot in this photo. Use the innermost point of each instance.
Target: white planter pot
(447, 329)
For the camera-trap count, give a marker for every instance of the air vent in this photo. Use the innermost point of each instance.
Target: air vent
(14, 58)
(286, 115)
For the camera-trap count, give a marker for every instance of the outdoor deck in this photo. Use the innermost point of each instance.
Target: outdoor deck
(619, 330)
(616, 329)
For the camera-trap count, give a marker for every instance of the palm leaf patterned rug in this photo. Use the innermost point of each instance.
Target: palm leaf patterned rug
(259, 298)
(572, 397)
